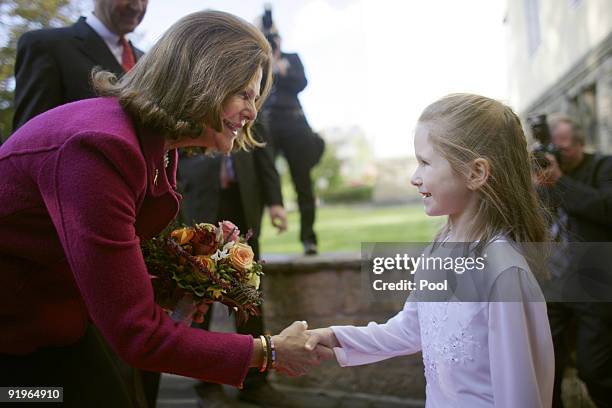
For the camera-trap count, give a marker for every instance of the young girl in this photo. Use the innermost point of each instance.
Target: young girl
(474, 168)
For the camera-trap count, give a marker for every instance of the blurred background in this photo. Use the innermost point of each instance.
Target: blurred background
(372, 66)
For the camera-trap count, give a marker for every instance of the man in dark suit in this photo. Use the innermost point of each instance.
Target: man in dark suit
(235, 188)
(53, 66)
(251, 184)
(291, 134)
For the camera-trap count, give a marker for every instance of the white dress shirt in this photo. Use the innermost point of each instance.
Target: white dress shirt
(111, 39)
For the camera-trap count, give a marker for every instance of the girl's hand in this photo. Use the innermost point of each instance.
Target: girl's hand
(324, 336)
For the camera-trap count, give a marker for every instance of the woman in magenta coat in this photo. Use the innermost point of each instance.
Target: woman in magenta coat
(81, 186)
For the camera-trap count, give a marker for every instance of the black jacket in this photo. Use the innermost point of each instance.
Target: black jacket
(53, 67)
(581, 266)
(586, 196)
(258, 181)
(285, 91)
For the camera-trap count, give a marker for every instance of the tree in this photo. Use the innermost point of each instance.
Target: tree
(17, 17)
(327, 172)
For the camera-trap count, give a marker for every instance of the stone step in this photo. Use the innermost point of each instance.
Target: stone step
(176, 391)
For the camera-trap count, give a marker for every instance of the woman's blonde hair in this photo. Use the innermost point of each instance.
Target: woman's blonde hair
(179, 87)
(464, 127)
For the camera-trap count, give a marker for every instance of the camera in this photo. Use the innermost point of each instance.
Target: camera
(541, 133)
(267, 24)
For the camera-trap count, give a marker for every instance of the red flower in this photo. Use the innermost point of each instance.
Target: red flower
(205, 239)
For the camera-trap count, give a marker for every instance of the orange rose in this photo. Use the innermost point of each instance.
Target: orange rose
(241, 256)
(208, 263)
(183, 235)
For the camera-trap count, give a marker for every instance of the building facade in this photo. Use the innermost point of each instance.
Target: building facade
(560, 60)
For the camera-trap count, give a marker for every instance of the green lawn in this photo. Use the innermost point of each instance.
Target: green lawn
(343, 228)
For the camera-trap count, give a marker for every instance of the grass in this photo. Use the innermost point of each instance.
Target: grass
(343, 228)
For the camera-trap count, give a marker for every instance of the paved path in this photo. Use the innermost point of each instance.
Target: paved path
(176, 391)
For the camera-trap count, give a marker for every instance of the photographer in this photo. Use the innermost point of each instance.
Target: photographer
(289, 130)
(578, 186)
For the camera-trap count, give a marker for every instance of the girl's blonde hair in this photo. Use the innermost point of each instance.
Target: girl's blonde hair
(464, 127)
(178, 88)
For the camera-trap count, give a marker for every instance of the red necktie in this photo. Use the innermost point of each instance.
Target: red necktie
(127, 56)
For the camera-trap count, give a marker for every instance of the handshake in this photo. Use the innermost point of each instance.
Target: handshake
(297, 349)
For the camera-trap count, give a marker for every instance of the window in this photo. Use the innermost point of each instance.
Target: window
(532, 13)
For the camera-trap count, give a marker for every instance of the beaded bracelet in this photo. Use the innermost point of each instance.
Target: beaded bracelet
(272, 352)
(264, 364)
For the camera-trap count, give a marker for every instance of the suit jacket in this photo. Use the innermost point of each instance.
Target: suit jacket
(53, 67)
(66, 259)
(286, 88)
(258, 180)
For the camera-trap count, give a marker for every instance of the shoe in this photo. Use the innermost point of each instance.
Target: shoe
(211, 395)
(310, 248)
(265, 395)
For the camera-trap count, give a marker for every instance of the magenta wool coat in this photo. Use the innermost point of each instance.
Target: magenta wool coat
(79, 189)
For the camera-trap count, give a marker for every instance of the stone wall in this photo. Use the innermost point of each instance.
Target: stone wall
(547, 39)
(326, 290)
(585, 94)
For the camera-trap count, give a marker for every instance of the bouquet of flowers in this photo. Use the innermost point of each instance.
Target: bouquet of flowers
(204, 263)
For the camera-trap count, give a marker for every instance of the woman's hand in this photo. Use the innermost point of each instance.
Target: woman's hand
(201, 310)
(293, 358)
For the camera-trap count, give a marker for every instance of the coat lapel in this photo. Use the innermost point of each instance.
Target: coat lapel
(94, 47)
(137, 53)
(161, 202)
